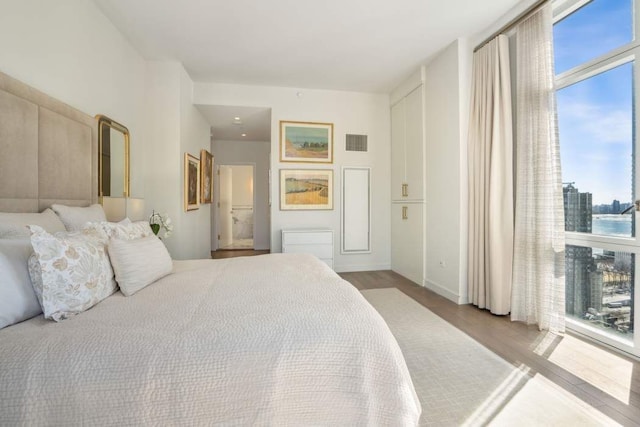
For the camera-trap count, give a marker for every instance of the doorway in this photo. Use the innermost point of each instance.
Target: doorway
(236, 208)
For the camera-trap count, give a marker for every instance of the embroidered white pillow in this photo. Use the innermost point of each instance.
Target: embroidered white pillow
(14, 225)
(18, 302)
(75, 218)
(120, 230)
(138, 263)
(72, 272)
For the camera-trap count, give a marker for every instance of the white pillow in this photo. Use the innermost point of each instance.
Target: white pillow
(75, 218)
(70, 271)
(18, 302)
(14, 225)
(118, 230)
(138, 263)
(125, 221)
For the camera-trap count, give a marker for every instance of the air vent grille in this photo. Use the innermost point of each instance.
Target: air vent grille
(356, 142)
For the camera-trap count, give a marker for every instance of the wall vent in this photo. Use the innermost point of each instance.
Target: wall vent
(356, 142)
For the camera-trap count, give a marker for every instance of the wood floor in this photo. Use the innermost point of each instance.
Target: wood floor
(613, 392)
(232, 253)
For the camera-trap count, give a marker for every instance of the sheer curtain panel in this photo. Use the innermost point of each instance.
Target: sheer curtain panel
(538, 266)
(491, 179)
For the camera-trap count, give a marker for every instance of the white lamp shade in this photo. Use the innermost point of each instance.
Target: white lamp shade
(135, 209)
(114, 208)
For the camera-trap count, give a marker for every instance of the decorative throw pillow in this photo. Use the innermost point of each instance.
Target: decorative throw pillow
(14, 225)
(18, 302)
(118, 230)
(72, 272)
(138, 263)
(75, 218)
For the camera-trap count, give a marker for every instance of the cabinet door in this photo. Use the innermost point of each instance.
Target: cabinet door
(407, 234)
(397, 150)
(414, 145)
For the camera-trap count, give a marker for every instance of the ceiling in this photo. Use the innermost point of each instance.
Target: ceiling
(355, 45)
(254, 122)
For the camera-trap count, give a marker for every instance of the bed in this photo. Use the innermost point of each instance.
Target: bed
(270, 340)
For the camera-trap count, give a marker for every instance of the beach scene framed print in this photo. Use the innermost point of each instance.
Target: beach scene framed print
(306, 142)
(306, 189)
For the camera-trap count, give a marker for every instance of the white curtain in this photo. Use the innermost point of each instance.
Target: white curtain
(490, 145)
(538, 266)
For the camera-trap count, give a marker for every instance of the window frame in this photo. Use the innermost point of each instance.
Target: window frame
(629, 52)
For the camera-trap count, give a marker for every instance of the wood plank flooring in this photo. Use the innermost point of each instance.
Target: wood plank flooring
(521, 345)
(232, 253)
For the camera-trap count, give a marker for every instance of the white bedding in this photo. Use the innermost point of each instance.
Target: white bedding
(271, 340)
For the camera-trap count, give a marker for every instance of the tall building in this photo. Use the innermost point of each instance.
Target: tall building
(615, 207)
(578, 209)
(579, 263)
(596, 283)
(579, 266)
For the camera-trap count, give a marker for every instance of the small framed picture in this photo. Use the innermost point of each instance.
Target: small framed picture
(191, 182)
(306, 189)
(206, 177)
(306, 142)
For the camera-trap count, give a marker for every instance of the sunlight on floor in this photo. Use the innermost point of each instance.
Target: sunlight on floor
(542, 402)
(606, 371)
(523, 400)
(499, 397)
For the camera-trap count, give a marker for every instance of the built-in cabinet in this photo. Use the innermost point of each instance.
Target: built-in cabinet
(407, 229)
(407, 148)
(407, 185)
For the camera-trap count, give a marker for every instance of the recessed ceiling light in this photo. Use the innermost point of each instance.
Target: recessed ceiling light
(236, 118)
(244, 134)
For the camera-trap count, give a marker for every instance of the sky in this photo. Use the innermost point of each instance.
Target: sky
(595, 116)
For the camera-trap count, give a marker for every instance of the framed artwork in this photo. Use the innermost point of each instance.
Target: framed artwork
(306, 142)
(206, 177)
(306, 189)
(191, 182)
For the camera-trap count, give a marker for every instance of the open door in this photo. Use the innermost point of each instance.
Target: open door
(235, 224)
(225, 218)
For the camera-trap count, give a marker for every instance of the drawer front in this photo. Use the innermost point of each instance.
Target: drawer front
(315, 237)
(321, 251)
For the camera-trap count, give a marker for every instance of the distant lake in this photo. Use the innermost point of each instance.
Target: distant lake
(611, 225)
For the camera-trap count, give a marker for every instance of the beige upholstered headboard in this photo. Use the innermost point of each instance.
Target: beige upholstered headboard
(48, 151)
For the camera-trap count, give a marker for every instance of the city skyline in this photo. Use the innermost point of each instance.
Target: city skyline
(595, 116)
(598, 283)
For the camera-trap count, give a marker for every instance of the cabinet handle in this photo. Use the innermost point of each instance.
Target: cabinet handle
(405, 212)
(405, 190)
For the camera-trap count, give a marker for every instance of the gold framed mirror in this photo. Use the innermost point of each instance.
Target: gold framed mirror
(113, 164)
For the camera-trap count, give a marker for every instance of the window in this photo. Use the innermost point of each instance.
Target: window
(595, 55)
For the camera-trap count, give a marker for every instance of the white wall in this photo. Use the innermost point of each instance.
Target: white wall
(257, 153)
(195, 226)
(350, 112)
(163, 153)
(446, 111)
(69, 50)
(174, 126)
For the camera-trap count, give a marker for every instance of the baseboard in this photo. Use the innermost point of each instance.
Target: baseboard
(442, 291)
(366, 267)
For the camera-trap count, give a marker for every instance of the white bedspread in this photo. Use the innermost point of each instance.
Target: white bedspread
(271, 340)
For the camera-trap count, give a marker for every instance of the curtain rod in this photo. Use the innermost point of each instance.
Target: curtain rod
(515, 21)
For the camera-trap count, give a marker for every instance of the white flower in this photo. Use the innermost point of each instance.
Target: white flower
(164, 222)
